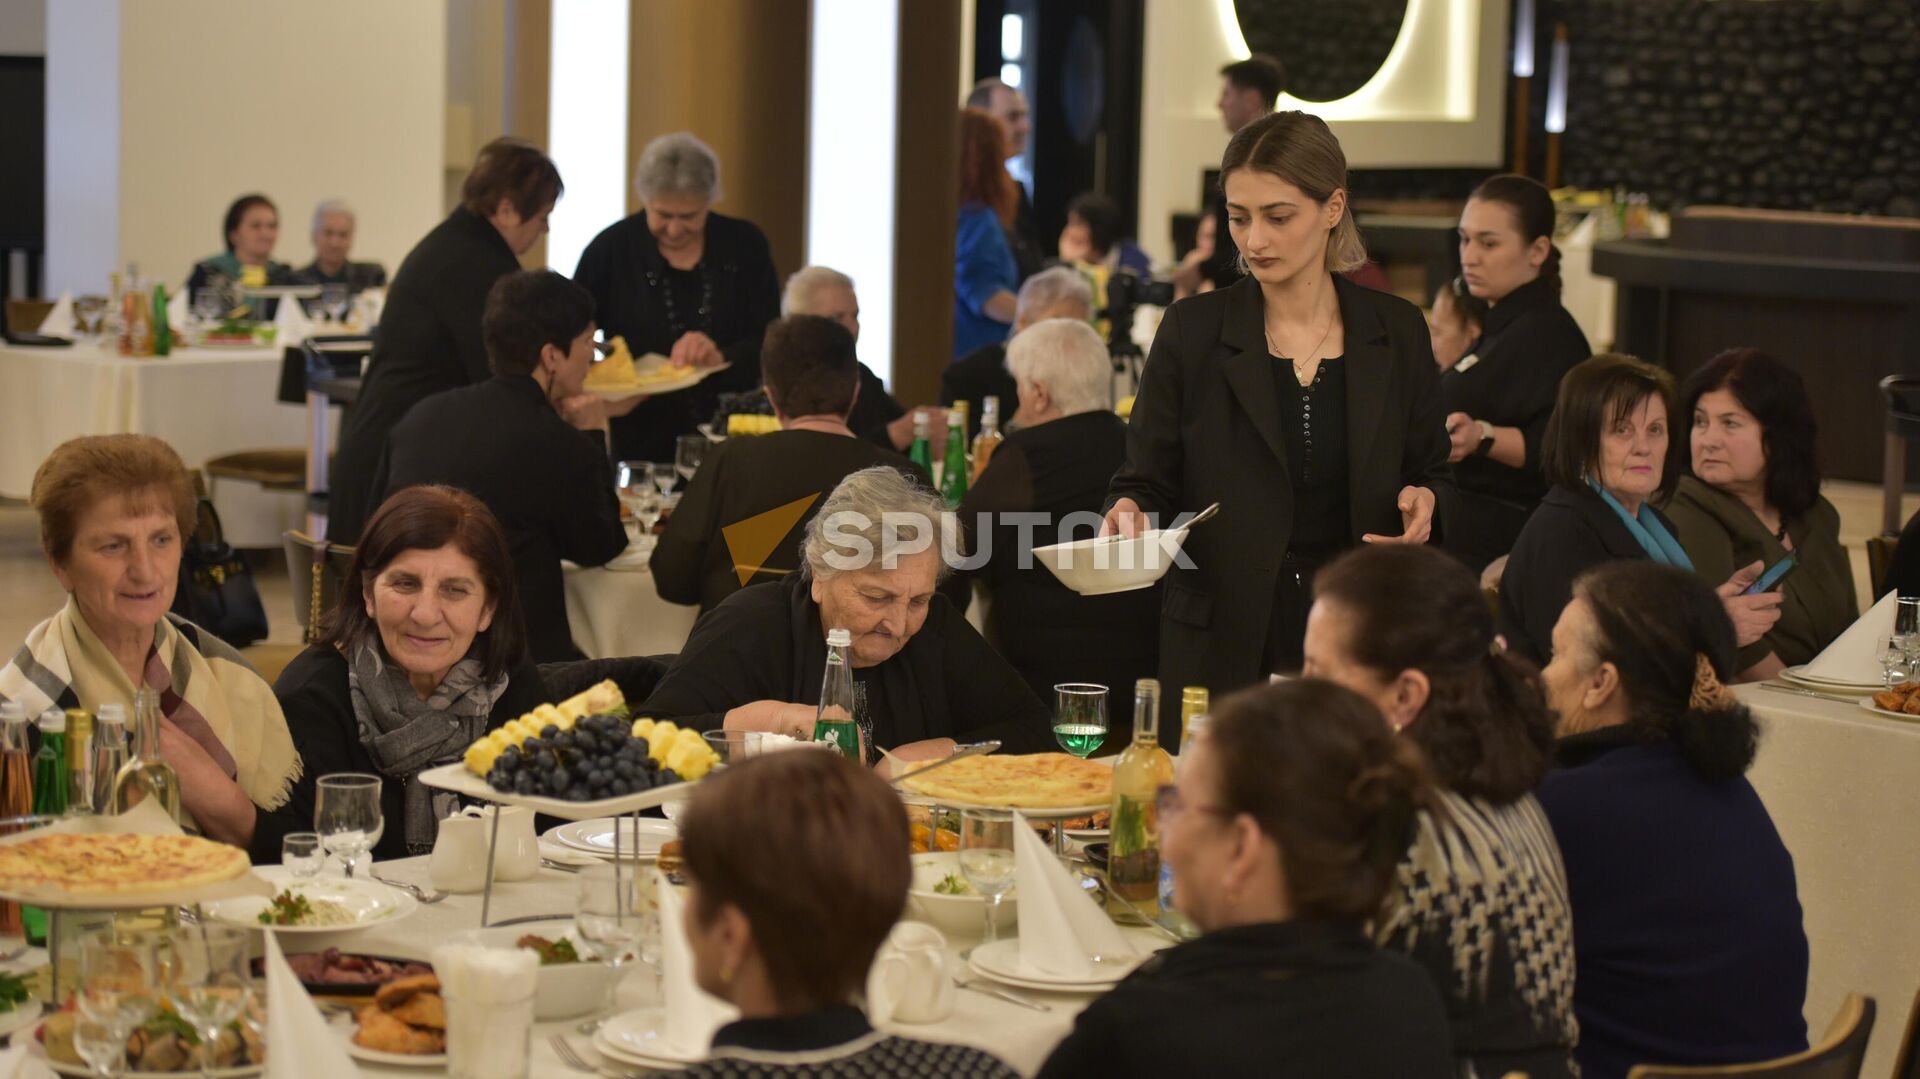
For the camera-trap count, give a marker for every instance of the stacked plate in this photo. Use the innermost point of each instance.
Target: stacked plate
(596, 836)
(1001, 962)
(1832, 687)
(641, 1038)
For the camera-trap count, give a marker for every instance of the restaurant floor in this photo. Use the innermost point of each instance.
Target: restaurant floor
(28, 592)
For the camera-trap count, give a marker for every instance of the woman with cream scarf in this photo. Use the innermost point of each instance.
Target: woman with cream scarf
(114, 510)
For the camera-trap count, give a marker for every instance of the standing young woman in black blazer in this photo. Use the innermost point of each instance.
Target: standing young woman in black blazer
(1499, 395)
(1306, 405)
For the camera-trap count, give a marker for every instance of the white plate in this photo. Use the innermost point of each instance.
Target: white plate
(371, 902)
(1798, 674)
(1000, 961)
(655, 389)
(21, 1017)
(640, 1037)
(455, 777)
(1055, 813)
(1867, 703)
(81, 1071)
(597, 836)
(378, 1056)
(1089, 835)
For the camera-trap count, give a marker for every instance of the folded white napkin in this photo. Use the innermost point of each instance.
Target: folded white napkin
(1061, 927)
(692, 1015)
(300, 1044)
(179, 311)
(291, 323)
(59, 320)
(1854, 656)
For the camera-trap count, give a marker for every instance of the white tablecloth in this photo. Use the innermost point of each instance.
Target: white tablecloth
(619, 613)
(1843, 787)
(1021, 1037)
(204, 402)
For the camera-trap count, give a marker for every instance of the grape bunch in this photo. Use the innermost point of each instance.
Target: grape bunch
(598, 757)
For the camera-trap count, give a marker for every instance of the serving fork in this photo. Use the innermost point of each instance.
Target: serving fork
(571, 1058)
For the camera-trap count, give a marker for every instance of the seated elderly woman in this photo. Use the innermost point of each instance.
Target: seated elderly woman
(113, 509)
(1290, 809)
(1605, 454)
(872, 556)
(1685, 906)
(1065, 445)
(680, 280)
(812, 380)
(250, 229)
(829, 853)
(1480, 901)
(427, 653)
(1751, 492)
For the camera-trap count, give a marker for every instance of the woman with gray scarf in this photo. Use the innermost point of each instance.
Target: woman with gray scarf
(428, 654)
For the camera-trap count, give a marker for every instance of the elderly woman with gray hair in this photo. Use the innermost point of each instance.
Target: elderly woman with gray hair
(871, 559)
(680, 280)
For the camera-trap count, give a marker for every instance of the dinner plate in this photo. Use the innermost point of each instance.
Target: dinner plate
(455, 777)
(640, 1037)
(1867, 703)
(1799, 674)
(654, 389)
(22, 1016)
(1000, 961)
(81, 1071)
(597, 836)
(378, 1056)
(369, 901)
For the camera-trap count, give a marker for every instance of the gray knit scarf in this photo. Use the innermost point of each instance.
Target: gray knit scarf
(407, 735)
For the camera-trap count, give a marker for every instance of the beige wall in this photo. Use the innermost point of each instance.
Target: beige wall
(217, 98)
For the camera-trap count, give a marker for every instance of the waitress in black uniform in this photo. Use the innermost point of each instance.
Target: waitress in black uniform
(1306, 405)
(1499, 395)
(680, 280)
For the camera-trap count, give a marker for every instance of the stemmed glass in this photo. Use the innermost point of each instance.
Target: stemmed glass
(207, 305)
(1893, 661)
(208, 981)
(334, 300)
(346, 814)
(663, 477)
(688, 451)
(614, 919)
(116, 994)
(90, 310)
(986, 859)
(1080, 717)
(1906, 626)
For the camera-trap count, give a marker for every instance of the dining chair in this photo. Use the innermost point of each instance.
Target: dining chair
(1903, 423)
(315, 570)
(1835, 1056)
(1879, 561)
(1906, 1063)
(25, 315)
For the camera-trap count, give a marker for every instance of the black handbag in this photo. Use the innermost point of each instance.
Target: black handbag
(216, 590)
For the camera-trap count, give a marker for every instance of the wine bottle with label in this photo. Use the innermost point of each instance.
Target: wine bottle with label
(989, 437)
(1133, 862)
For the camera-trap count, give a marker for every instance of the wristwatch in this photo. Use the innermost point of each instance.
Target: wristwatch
(1486, 439)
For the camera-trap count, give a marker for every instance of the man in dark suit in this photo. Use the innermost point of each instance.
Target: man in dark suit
(1009, 106)
(333, 225)
(529, 442)
(741, 519)
(1249, 89)
(1058, 292)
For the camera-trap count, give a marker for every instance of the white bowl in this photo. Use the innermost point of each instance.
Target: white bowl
(954, 915)
(563, 990)
(1096, 567)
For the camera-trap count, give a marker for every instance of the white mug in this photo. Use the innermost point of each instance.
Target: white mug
(912, 977)
(459, 862)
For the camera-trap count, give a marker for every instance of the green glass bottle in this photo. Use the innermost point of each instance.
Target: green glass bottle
(49, 798)
(921, 452)
(162, 331)
(953, 468)
(834, 722)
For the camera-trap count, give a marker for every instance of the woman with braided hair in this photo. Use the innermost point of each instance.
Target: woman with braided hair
(1691, 948)
(1479, 898)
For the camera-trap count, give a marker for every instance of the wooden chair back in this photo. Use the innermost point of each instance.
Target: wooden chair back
(1879, 560)
(1835, 1056)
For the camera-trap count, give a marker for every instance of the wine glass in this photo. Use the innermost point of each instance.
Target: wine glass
(334, 300)
(115, 994)
(90, 310)
(301, 855)
(346, 814)
(986, 859)
(207, 305)
(612, 915)
(208, 983)
(1893, 661)
(688, 451)
(1080, 717)
(663, 477)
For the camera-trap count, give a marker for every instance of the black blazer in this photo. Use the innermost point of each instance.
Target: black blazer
(624, 270)
(973, 378)
(429, 341)
(549, 484)
(1206, 427)
(1572, 532)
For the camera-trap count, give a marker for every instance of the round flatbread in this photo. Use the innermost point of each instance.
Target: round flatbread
(1019, 781)
(95, 865)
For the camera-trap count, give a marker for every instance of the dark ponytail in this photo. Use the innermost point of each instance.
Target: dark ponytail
(1668, 635)
(1533, 214)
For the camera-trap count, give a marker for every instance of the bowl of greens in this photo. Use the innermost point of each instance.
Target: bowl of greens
(571, 980)
(943, 898)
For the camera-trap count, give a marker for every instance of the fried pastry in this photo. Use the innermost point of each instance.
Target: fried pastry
(423, 1010)
(382, 1031)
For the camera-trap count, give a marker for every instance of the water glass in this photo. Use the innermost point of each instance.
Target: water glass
(301, 856)
(1893, 661)
(115, 995)
(1080, 717)
(663, 476)
(489, 1038)
(615, 915)
(688, 451)
(346, 814)
(986, 858)
(208, 982)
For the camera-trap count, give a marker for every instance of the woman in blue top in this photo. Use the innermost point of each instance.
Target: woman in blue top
(1605, 454)
(984, 274)
(1688, 943)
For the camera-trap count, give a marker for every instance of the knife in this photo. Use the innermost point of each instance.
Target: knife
(960, 753)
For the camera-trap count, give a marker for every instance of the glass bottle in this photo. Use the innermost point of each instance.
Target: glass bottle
(1193, 702)
(1133, 863)
(79, 762)
(921, 453)
(989, 437)
(146, 774)
(16, 786)
(834, 721)
(109, 753)
(1193, 724)
(953, 468)
(162, 332)
(49, 798)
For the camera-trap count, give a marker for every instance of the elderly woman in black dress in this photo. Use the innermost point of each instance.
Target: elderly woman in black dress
(680, 280)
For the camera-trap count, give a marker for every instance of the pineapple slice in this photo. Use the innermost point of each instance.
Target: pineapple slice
(481, 755)
(690, 759)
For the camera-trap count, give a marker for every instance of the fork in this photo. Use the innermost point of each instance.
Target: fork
(571, 1058)
(415, 890)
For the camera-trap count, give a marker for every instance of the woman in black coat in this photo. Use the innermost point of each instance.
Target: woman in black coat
(680, 280)
(429, 337)
(1307, 406)
(1499, 395)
